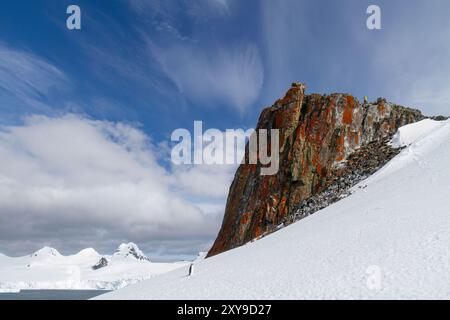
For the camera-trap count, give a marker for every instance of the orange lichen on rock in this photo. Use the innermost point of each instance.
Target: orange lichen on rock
(258, 232)
(348, 116)
(279, 119)
(340, 148)
(348, 111)
(316, 133)
(290, 95)
(319, 170)
(351, 101)
(282, 206)
(245, 218)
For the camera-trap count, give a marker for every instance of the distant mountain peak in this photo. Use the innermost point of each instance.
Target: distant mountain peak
(103, 262)
(130, 250)
(88, 252)
(46, 252)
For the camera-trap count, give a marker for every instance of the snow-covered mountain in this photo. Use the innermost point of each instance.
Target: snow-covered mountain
(130, 250)
(46, 253)
(48, 269)
(388, 240)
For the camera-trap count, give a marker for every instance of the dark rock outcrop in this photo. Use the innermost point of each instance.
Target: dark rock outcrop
(324, 140)
(103, 262)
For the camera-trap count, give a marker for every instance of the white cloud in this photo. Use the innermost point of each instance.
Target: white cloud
(210, 181)
(29, 77)
(205, 71)
(222, 75)
(284, 30)
(69, 179)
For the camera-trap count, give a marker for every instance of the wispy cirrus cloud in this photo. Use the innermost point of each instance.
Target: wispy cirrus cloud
(205, 71)
(29, 78)
(178, 18)
(328, 46)
(231, 76)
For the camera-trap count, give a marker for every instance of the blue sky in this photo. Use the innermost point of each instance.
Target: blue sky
(140, 69)
(133, 60)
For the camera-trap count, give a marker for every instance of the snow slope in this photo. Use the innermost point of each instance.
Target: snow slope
(390, 239)
(48, 269)
(414, 131)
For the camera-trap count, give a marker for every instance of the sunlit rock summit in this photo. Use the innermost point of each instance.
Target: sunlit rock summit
(327, 144)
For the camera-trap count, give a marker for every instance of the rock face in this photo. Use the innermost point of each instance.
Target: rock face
(320, 139)
(103, 262)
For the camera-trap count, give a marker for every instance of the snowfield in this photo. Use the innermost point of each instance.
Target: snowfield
(389, 240)
(414, 131)
(48, 269)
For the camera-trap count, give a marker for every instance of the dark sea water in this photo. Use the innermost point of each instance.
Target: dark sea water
(52, 295)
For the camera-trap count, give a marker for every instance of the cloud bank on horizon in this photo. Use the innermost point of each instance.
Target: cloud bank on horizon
(74, 181)
(86, 116)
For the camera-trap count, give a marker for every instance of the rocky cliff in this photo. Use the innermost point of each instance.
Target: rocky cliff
(327, 144)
